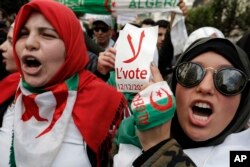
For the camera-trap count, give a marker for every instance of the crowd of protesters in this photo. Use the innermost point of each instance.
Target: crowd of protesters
(58, 110)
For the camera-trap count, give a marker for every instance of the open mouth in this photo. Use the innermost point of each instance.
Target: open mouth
(201, 111)
(31, 65)
(31, 61)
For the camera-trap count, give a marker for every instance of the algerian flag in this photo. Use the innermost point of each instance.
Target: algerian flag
(153, 106)
(41, 121)
(121, 6)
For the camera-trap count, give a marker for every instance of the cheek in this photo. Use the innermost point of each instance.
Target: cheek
(10, 53)
(230, 104)
(56, 55)
(181, 93)
(19, 47)
(109, 34)
(182, 96)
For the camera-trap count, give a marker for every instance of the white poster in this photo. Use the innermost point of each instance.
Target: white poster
(135, 52)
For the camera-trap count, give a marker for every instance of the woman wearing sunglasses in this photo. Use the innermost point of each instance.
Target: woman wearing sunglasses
(212, 97)
(210, 83)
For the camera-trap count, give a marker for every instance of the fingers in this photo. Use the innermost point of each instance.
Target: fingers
(111, 50)
(183, 7)
(106, 61)
(146, 85)
(107, 58)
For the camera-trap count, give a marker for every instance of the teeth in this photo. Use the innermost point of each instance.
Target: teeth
(202, 118)
(203, 105)
(30, 58)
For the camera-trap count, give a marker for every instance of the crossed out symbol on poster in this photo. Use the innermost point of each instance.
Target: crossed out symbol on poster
(129, 38)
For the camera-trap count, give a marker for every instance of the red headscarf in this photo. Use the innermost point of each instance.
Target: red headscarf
(66, 25)
(8, 86)
(97, 105)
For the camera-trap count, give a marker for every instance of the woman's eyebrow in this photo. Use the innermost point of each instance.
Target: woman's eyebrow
(47, 28)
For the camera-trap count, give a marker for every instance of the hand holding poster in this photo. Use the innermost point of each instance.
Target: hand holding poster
(135, 51)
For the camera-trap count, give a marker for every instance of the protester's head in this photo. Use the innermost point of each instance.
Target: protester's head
(48, 43)
(3, 32)
(148, 22)
(3, 14)
(163, 31)
(103, 28)
(212, 92)
(7, 52)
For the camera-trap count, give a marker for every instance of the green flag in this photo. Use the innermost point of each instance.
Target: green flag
(121, 6)
(88, 6)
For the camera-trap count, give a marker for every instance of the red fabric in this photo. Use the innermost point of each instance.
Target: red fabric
(97, 103)
(8, 86)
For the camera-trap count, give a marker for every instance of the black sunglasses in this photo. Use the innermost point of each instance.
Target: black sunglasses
(229, 81)
(103, 29)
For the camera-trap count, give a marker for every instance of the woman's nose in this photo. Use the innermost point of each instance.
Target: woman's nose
(3, 47)
(206, 86)
(32, 42)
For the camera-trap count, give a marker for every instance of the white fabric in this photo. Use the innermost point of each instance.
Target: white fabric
(202, 33)
(126, 155)
(29, 148)
(143, 6)
(156, 57)
(218, 156)
(6, 136)
(213, 156)
(61, 146)
(178, 34)
(111, 44)
(72, 152)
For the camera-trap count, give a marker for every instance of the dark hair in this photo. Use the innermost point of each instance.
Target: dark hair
(4, 13)
(163, 24)
(148, 21)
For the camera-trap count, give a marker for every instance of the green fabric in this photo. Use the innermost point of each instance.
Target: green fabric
(127, 133)
(127, 130)
(12, 161)
(151, 117)
(153, 106)
(72, 84)
(128, 95)
(88, 6)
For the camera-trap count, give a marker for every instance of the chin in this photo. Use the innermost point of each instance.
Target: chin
(198, 136)
(35, 83)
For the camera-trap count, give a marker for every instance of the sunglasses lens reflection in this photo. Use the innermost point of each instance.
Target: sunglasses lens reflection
(228, 81)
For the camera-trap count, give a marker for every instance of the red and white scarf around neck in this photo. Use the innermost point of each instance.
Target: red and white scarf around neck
(41, 118)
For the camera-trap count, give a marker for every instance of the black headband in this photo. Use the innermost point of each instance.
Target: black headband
(218, 45)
